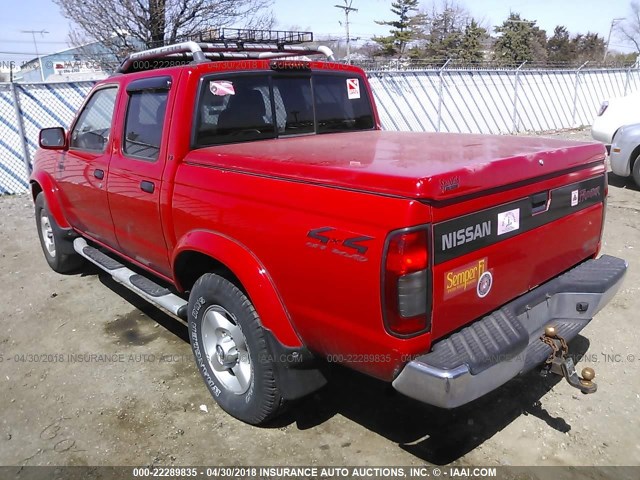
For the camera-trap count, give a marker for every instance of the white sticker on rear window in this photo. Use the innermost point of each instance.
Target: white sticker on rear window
(221, 88)
(353, 88)
(508, 221)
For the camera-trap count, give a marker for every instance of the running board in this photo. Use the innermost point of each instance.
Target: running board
(142, 286)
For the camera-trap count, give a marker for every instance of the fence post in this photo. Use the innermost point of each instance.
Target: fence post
(440, 75)
(23, 139)
(515, 97)
(626, 83)
(575, 94)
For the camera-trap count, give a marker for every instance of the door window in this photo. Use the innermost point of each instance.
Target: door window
(91, 131)
(144, 123)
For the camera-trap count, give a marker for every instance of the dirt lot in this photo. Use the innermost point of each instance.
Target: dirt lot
(146, 404)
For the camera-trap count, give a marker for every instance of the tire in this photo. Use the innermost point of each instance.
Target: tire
(54, 246)
(231, 351)
(635, 171)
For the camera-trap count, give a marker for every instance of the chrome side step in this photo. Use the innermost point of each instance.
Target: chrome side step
(142, 286)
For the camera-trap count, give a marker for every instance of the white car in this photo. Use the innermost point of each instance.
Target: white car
(613, 114)
(625, 152)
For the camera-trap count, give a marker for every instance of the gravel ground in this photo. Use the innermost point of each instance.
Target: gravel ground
(140, 400)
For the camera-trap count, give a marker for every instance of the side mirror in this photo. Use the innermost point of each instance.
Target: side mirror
(53, 138)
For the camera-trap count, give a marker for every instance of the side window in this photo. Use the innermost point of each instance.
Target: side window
(144, 123)
(234, 109)
(92, 129)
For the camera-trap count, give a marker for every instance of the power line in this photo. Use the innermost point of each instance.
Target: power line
(12, 40)
(92, 54)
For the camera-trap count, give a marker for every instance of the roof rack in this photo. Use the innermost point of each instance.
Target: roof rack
(245, 35)
(227, 44)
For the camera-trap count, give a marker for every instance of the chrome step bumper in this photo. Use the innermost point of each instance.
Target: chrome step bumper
(491, 351)
(143, 286)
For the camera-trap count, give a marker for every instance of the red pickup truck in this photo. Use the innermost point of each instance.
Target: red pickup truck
(256, 198)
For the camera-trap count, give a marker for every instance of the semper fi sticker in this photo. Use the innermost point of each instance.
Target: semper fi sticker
(474, 276)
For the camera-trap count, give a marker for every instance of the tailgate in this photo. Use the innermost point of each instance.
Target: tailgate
(512, 242)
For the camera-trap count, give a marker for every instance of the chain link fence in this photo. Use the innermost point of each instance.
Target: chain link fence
(438, 99)
(13, 167)
(495, 101)
(24, 110)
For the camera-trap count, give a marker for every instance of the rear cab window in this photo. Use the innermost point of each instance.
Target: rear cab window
(241, 107)
(234, 109)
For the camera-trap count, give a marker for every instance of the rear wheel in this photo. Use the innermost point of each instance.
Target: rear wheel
(231, 350)
(55, 247)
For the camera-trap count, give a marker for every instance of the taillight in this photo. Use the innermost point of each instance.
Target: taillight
(603, 108)
(406, 282)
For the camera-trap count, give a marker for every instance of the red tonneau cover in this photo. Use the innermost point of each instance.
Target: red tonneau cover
(435, 166)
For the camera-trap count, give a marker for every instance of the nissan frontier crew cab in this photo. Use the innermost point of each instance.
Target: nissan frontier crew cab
(251, 193)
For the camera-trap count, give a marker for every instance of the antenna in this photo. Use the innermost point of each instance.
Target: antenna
(347, 10)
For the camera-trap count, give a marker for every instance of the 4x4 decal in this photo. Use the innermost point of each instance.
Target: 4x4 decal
(326, 237)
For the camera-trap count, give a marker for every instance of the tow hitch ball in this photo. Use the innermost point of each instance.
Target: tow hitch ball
(560, 364)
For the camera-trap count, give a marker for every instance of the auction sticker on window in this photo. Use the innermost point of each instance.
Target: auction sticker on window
(221, 88)
(464, 278)
(574, 198)
(508, 221)
(353, 88)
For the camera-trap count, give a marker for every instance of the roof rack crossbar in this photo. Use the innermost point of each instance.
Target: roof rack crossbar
(160, 52)
(201, 52)
(259, 47)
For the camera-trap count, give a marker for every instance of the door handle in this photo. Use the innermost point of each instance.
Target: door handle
(98, 173)
(147, 186)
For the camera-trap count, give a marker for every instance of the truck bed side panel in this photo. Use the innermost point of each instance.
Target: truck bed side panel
(331, 292)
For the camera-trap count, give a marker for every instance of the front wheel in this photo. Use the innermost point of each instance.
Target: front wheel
(57, 249)
(231, 350)
(635, 171)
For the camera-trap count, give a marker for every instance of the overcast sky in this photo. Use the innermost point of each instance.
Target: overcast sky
(321, 17)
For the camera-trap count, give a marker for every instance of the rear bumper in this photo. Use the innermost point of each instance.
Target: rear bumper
(496, 348)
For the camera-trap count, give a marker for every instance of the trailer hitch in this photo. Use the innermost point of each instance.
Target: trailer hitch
(559, 363)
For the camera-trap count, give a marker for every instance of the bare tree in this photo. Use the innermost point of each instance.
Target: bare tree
(123, 26)
(629, 29)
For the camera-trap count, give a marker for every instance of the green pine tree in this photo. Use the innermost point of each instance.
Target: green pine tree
(588, 47)
(559, 46)
(403, 29)
(471, 45)
(516, 42)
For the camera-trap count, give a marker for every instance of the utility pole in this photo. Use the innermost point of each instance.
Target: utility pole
(347, 10)
(613, 24)
(35, 44)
